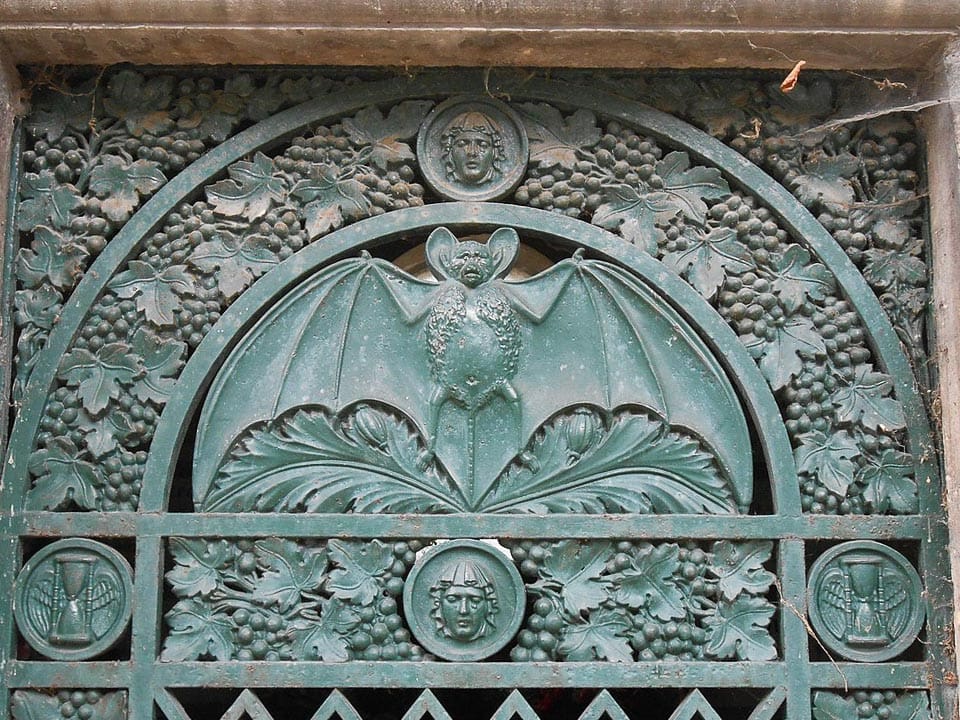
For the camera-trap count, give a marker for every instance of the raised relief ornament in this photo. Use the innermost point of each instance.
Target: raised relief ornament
(73, 599)
(371, 390)
(864, 601)
(464, 600)
(472, 149)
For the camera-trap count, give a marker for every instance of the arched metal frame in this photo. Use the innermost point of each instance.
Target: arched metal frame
(148, 680)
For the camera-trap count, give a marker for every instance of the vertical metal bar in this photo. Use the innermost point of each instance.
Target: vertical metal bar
(147, 588)
(796, 649)
(10, 550)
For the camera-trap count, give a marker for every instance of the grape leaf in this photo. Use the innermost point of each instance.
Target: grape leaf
(689, 186)
(121, 185)
(383, 134)
(52, 112)
(325, 639)
(330, 199)
(61, 477)
(112, 706)
(26, 705)
(684, 189)
(796, 278)
(197, 565)
(359, 569)
(44, 200)
(106, 433)
(889, 483)
(289, 571)
(649, 583)
(887, 268)
(239, 260)
(602, 636)
(51, 257)
(910, 706)
(162, 360)
(781, 359)
(196, 629)
(829, 706)
(40, 307)
(574, 567)
(252, 189)
(708, 257)
(825, 180)
(157, 291)
(98, 377)
(141, 103)
(739, 628)
(864, 400)
(828, 458)
(555, 140)
(739, 567)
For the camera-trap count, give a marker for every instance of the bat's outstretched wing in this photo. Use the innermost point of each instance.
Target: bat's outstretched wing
(347, 334)
(833, 608)
(597, 335)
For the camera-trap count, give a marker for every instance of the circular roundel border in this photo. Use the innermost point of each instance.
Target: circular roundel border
(832, 586)
(98, 563)
(709, 151)
(475, 565)
(530, 223)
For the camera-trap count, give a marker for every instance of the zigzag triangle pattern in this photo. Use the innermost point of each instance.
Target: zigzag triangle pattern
(515, 706)
(426, 704)
(247, 707)
(603, 704)
(695, 704)
(336, 705)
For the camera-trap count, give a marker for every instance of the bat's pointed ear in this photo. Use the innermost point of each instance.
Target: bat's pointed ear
(504, 247)
(439, 250)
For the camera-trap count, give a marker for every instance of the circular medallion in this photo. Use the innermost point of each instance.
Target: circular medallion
(472, 149)
(865, 601)
(463, 600)
(72, 599)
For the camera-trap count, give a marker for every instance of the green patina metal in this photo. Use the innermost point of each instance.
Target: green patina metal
(505, 396)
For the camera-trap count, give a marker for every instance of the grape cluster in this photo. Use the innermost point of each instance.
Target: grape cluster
(874, 704)
(124, 480)
(885, 158)
(194, 320)
(382, 634)
(173, 152)
(538, 641)
(619, 157)
(64, 157)
(749, 304)
(183, 230)
(283, 232)
(390, 189)
(681, 639)
(528, 554)
(261, 635)
(61, 417)
(80, 704)
(110, 320)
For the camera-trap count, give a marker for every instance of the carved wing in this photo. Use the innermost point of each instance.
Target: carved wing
(40, 607)
(598, 336)
(348, 334)
(105, 593)
(897, 607)
(833, 609)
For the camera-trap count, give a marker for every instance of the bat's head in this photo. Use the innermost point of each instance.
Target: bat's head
(471, 263)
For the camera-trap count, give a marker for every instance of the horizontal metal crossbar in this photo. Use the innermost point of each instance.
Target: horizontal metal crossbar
(810, 527)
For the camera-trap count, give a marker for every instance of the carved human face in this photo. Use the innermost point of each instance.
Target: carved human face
(463, 610)
(472, 154)
(472, 264)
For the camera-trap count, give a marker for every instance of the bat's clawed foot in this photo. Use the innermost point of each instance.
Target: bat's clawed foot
(529, 461)
(577, 255)
(424, 458)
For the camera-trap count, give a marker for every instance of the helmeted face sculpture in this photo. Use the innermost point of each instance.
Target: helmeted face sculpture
(472, 148)
(464, 602)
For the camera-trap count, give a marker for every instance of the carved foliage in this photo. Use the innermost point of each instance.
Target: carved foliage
(631, 601)
(875, 705)
(279, 599)
(56, 705)
(80, 185)
(371, 460)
